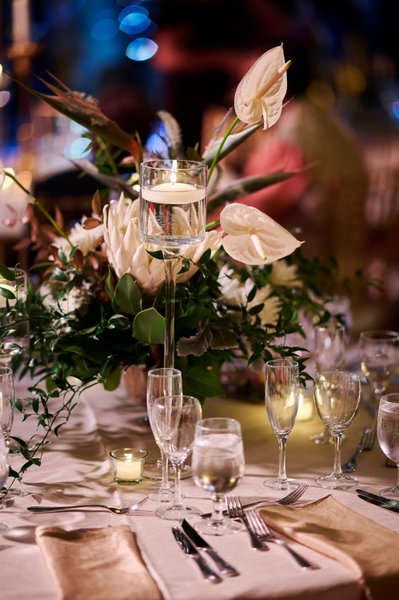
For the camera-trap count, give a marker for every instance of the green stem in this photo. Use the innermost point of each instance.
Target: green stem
(218, 151)
(212, 225)
(105, 148)
(40, 207)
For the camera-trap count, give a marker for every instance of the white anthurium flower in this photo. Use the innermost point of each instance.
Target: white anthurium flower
(283, 274)
(260, 94)
(233, 291)
(126, 252)
(271, 309)
(253, 237)
(85, 239)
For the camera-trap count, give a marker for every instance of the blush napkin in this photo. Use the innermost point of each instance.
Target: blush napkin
(333, 529)
(96, 564)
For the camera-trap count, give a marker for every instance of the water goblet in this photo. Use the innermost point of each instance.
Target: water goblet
(379, 360)
(162, 382)
(217, 466)
(175, 418)
(330, 343)
(337, 397)
(388, 436)
(172, 216)
(281, 399)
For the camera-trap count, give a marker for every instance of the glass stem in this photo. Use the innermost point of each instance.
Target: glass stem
(170, 292)
(217, 513)
(282, 472)
(337, 455)
(165, 485)
(177, 499)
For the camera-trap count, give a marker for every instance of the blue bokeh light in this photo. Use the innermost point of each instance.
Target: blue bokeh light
(105, 29)
(141, 49)
(132, 10)
(135, 22)
(395, 109)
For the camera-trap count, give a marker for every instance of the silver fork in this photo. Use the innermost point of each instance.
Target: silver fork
(236, 511)
(261, 530)
(118, 510)
(288, 499)
(366, 443)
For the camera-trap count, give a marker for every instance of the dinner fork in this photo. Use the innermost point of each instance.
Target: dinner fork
(290, 498)
(236, 511)
(263, 533)
(366, 443)
(118, 510)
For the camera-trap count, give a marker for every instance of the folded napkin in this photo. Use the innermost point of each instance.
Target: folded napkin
(329, 527)
(96, 564)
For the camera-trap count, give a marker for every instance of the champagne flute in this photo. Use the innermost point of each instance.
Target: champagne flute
(281, 399)
(379, 360)
(175, 418)
(7, 407)
(217, 466)
(330, 343)
(172, 216)
(3, 470)
(388, 436)
(337, 396)
(162, 382)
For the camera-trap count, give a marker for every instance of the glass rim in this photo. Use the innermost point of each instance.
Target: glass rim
(379, 334)
(390, 398)
(155, 164)
(353, 375)
(203, 422)
(164, 371)
(282, 362)
(135, 452)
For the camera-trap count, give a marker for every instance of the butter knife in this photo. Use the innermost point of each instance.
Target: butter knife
(378, 500)
(202, 544)
(188, 548)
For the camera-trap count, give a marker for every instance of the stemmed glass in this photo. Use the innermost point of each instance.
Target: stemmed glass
(217, 466)
(172, 216)
(162, 382)
(281, 398)
(330, 343)
(14, 322)
(175, 419)
(379, 360)
(7, 407)
(3, 469)
(337, 397)
(388, 436)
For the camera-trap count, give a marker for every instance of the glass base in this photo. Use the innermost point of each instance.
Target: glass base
(281, 484)
(336, 482)
(392, 493)
(177, 513)
(162, 495)
(211, 527)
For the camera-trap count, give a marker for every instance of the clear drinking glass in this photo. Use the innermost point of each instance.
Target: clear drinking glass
(7, 407)
(172, 216)
(217, 466)
(162, 382)
(175, 419)
(337, 397)
(388, 436)
(281, 399)
(330, 345)
(14, 321)
(379, 359)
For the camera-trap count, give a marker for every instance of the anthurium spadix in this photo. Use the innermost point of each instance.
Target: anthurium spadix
(260, 94)
(254, 238)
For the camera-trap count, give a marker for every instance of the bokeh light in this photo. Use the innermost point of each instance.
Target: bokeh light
(395, 109)
(141, 49)
(79, 148)
(105, 29)
(4, 98)
(135, 22)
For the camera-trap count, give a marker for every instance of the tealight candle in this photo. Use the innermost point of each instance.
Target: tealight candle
(128, 464)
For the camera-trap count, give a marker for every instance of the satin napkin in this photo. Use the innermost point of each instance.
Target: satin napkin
(96, 564)
(370, 550)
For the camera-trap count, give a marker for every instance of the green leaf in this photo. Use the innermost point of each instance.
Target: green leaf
(6, 273)
(201, 382)
(6, 293)
(149, 326)
(233, 141)
(223, 339)
(128, 295)
(112, 379)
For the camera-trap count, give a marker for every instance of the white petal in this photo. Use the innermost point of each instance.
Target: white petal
(261, 92)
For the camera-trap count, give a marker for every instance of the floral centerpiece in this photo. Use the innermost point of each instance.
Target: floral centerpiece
(99, 307)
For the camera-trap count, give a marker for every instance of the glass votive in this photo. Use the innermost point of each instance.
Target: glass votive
(128, 465)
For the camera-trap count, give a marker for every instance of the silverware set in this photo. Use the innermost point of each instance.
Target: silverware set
(367, 442)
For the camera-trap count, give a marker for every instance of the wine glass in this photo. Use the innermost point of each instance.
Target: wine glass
(14, 321)
(162, 382)
(7, 407)
(388, 436)
(217, 466)
(330, 343)
(379, 360)
(175, 418)
(172, 216)
(281, 399)
(337, 396)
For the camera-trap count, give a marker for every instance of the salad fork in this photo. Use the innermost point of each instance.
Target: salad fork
(366, 443)
(118, 510)
(264, 534)
(236, 511)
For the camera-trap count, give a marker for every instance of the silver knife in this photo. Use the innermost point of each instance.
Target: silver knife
(189, 549)
(379, 500)
(202, 544)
